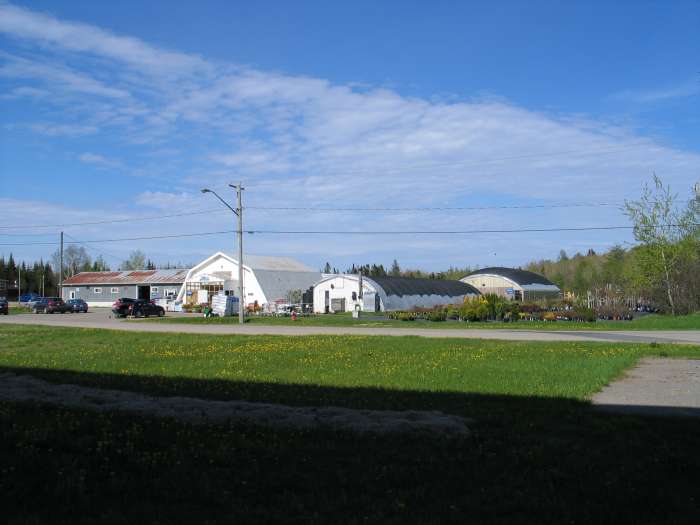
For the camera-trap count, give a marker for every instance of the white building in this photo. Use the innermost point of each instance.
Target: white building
(340, 293)
(266, 279)
(513, 283)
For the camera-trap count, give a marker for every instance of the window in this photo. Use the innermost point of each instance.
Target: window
(154, 289)
(115, 290)
(97, 290)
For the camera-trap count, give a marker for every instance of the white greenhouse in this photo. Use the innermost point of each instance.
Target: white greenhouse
(513, 283)
(341, 293)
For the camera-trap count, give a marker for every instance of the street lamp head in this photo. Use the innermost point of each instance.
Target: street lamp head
(206, 190)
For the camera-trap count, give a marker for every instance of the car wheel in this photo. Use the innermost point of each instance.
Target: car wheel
(161, 313)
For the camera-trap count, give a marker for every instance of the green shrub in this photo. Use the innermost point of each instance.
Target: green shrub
(437, 316)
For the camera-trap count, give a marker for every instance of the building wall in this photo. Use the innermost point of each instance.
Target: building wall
(208, 270)
(339, 287)
(107, 296)
(409, 302)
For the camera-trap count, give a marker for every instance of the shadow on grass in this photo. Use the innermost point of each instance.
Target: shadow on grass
(530, 460)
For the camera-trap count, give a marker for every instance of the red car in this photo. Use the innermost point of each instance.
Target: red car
(51, 305)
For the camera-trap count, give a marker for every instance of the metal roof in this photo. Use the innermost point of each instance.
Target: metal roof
(401, 286)
(270, 262)
(276, 284)
(173, 276)
(521, 277)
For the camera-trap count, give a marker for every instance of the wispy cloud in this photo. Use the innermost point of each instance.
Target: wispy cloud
(645, 96)
(63, 130)
(97, 160)
(297, 140)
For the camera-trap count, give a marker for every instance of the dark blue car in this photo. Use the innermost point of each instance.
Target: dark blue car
(77, 305)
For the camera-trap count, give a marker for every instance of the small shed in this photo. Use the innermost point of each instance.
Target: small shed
(513, 283)
(341, 293)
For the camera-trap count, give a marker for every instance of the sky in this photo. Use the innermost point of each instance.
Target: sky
(531, 115)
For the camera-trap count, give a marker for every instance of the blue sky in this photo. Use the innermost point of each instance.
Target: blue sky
(113, 110)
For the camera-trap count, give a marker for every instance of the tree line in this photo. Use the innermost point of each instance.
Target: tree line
(378, 270)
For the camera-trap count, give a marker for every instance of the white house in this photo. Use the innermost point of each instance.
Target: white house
(341, 293)
(266, 279)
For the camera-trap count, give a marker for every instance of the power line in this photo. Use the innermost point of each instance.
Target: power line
(302, 208)
(344, 232)
(110, 221)
(101, 252)
(440, 208)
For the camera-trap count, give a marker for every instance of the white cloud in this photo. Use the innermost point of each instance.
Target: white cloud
(303, 141)
(97, 160)
(39, 27)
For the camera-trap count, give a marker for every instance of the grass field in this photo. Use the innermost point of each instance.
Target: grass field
(649, 322)
(538, 454)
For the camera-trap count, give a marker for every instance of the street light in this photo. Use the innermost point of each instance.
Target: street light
(238, 212)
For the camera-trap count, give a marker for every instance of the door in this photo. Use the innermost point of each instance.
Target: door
(327, 301)
(377, 303)
(144, 292)
(72, 294)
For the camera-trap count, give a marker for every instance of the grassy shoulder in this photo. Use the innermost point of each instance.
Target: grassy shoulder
(537, 453)
(648, 322)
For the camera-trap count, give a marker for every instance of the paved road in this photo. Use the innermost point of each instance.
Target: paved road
(656, 387)
(100, 318)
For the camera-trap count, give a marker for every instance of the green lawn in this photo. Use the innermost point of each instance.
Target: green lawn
(538, 454)
(14, 310)
(649, 322)
(566, 370)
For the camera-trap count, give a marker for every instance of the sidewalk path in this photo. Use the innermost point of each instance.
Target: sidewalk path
(655, 387)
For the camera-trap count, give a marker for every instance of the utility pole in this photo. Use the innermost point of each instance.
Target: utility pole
(60, 275)
(19, 283)
(239, 209)
(238, 212)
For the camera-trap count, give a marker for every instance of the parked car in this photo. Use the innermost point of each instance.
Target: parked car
(4, 306)
(29, 297)
(136, 308)
(51, 305)
(77, 305)
(121, 306)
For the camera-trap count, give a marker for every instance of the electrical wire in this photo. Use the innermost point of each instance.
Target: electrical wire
(100, 252)
(110, 221)
(312, 209)
(345, 232)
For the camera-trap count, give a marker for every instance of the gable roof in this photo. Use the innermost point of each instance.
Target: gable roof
(401, 286)
(172, 276)
(521, 277)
